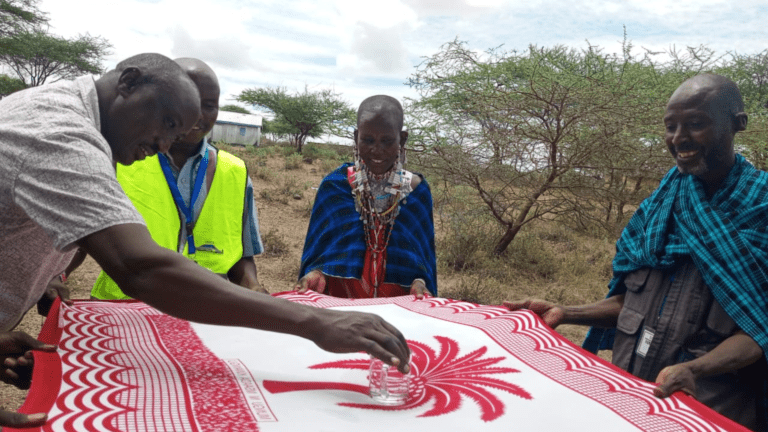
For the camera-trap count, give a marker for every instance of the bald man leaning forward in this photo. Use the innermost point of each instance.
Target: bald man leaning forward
(688, 304)
(58, 191)
(196, 199)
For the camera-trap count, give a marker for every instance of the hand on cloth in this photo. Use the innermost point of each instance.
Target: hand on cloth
(349, 332)
(258, 287)
(419, 289)
(16, 356)
(674, 378)
(19, 420)
(17, 362)
(551, 313)
(56, 288)
(735, 352)
(314, 280)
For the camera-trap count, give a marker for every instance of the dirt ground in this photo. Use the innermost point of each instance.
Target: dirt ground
(284, 199)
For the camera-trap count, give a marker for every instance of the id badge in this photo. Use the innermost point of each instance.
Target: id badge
(645, 342)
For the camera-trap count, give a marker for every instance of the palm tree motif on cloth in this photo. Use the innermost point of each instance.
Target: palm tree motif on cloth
(443, 377)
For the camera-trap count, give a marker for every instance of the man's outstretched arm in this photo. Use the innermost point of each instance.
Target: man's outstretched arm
(604, 313)
(177, 286)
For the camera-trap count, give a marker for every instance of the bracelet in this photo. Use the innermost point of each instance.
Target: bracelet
(63, 277)
(419, 279)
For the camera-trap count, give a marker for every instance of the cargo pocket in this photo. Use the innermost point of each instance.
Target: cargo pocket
(633, 298)
(636, 280)
(628, 326)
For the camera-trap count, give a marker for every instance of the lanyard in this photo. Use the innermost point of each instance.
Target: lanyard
(177, 194)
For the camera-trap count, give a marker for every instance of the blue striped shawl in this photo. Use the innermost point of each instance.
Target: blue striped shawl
(335, 242)
(727, 237)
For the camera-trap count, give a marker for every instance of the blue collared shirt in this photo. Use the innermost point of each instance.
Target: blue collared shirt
(185, 178)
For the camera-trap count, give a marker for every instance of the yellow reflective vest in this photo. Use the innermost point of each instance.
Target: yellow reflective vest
(218, 231)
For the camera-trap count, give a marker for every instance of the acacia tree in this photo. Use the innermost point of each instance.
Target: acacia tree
(17, 16)
(307, 114)
(548, 131)
(234, 108)
(36, 56)
(344, 125)
(275, 129)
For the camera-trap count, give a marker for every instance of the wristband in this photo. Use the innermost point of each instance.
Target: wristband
(63, 277)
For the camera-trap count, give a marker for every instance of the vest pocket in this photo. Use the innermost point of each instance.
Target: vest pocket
(636, 280)
(628, 326)
(629, 321)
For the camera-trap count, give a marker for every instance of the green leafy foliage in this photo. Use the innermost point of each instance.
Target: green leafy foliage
(234, 108)
(35, 56)
(293, 161)
(556, 133)
(313, 151)
(300, 115)
(9, 85)
(19, 15)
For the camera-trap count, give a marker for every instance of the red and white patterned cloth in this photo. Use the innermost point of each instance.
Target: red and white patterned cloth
(124, 366)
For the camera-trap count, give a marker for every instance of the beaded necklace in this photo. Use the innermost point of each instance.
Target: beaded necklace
(377, 199)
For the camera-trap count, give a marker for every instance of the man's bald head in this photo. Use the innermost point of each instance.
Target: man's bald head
(196, 67)
(719, 90)
(381, 105)
(208, 86)
(155, 69)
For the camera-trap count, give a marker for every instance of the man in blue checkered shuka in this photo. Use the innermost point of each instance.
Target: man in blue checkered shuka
(688, 302)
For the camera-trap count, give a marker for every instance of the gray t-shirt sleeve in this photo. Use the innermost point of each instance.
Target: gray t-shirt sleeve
(67, 185)
(252, 244)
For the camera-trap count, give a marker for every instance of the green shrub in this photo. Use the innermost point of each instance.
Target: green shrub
(314, 152)
(263, 173)
(293, 161)
(466, 240)
(475, 288)
(529, 255)
(287, 150)
(266, 152)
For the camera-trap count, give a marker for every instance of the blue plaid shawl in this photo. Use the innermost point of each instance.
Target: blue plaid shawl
(727, 237)
(335, 242)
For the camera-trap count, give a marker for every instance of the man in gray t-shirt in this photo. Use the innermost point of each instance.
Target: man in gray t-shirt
(58, 191)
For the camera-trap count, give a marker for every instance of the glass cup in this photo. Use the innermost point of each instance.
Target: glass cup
(386, 384)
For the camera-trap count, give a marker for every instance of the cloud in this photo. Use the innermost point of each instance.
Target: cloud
(378, 50)
(379, 14)
(457, 8)
(224, 51)
(362, 48)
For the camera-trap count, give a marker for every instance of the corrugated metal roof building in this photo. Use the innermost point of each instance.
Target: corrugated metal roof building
(236, 128)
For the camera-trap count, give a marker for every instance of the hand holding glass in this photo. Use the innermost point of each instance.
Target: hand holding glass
(386, 384)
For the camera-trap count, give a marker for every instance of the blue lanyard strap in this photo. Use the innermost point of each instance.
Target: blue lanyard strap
(177, 194)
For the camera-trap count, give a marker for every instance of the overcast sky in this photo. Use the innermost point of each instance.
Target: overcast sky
(361, 48)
